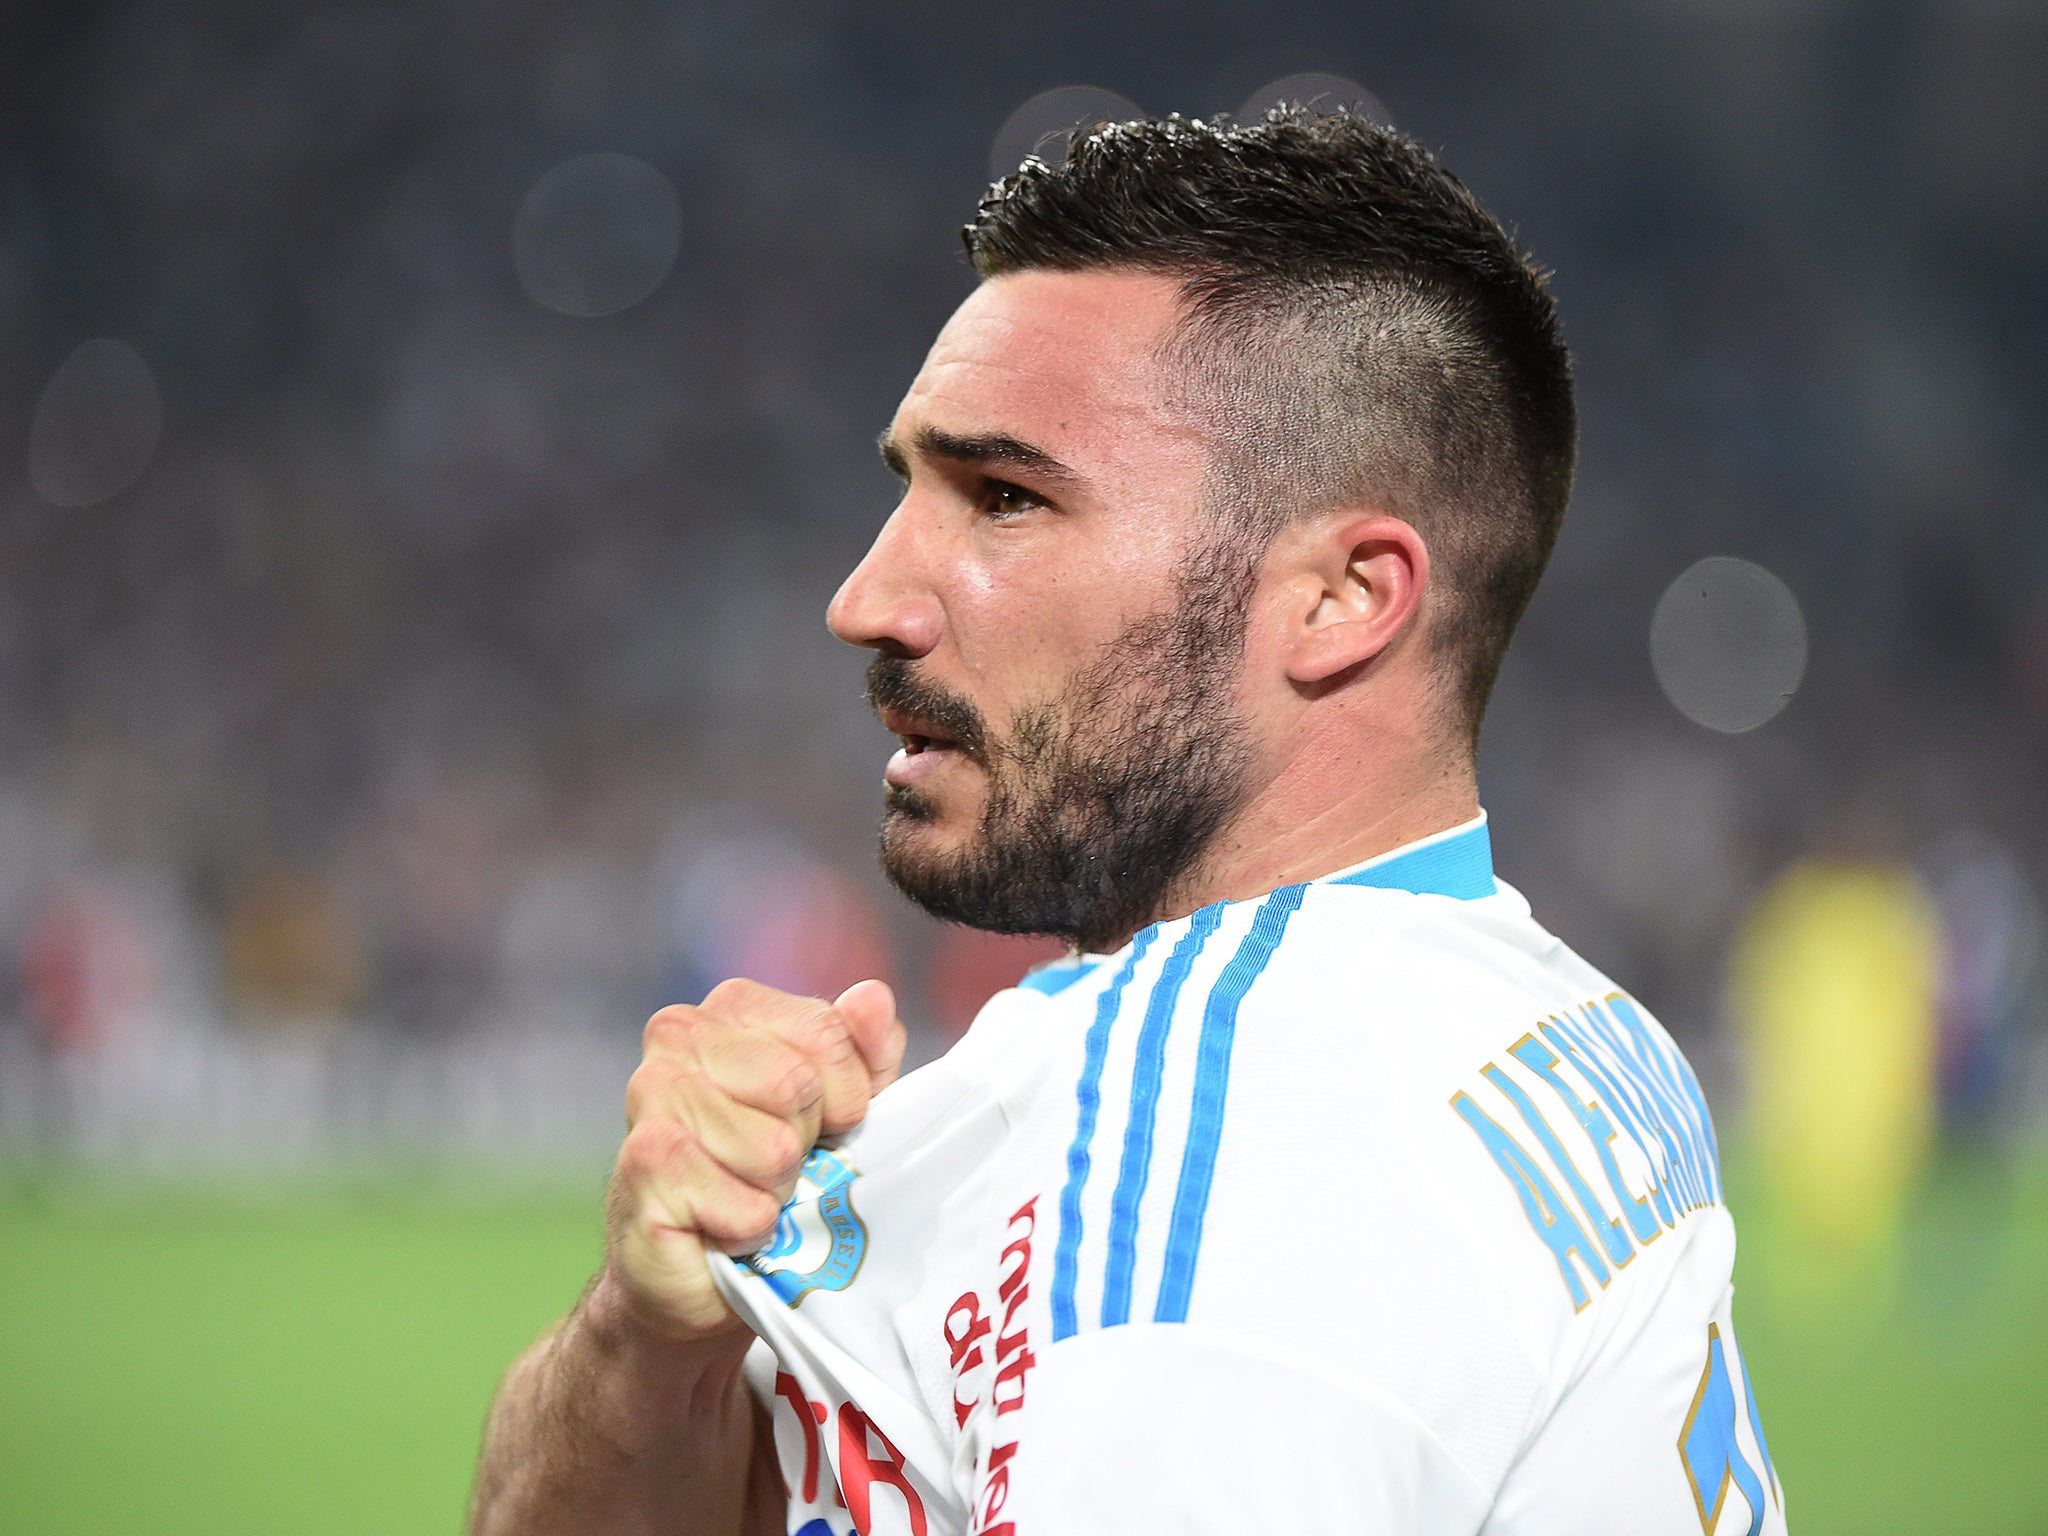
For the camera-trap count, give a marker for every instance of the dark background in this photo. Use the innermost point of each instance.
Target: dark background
(426, 585)
(406, 686)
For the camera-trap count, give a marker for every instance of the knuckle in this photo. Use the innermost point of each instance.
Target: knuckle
(669, 1029)
(824, 1034)
(657, 1145)
(736, 992)
(782, 1152)
(793, 1084)
(650, 1082)
(752, 1211)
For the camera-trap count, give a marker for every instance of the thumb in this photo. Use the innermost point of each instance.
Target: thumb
(869, 1009)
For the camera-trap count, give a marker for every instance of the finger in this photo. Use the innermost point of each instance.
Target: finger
(812, 1027)
(672, 1186)
(764, 1149)
(760, 1070)
(717, 1093)
(752, 1064)
(869, 1009)
(730, 1214)
(666, 1277)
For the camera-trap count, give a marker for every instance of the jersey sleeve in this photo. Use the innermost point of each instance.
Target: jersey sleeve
(1185, 1429)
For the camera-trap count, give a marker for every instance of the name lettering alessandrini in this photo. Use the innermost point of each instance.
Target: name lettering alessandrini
(980, 1344)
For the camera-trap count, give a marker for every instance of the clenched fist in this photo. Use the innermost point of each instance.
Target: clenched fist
(729, 1098)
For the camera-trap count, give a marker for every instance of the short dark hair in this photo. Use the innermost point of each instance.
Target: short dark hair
(1357, 323)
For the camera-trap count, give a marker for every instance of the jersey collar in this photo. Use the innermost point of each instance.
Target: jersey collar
(1457, 862)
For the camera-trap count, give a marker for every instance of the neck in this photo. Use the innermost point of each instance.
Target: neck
(1302, 826)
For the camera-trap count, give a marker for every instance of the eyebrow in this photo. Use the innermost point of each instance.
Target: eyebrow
(980, 448)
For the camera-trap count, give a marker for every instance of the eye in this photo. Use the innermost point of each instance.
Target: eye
(1001, 500)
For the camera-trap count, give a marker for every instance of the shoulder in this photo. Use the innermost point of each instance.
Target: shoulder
(1262, 1121)
(1333, 1114)
(1367, 957)
(1454, 1063)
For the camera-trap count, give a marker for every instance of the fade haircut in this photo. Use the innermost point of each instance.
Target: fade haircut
(1356, 329)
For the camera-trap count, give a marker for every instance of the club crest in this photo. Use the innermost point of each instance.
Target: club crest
(820, 1239)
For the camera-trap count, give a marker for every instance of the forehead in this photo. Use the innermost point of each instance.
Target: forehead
(1070, 362)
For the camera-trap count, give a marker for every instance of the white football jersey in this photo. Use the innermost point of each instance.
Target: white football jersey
(1364, 1205)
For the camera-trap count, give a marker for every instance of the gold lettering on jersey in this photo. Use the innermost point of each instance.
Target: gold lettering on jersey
(1633, 1119)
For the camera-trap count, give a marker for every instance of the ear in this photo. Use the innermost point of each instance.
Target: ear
(1361, 578)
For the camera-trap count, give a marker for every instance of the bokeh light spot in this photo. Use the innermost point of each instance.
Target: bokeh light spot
(1320, 93)
(96, 426)
(596, 235)
(1049, 122)
(1728, 644)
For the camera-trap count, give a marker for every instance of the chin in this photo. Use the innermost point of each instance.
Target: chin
(922, 840)
(931, 820)
(920, 833)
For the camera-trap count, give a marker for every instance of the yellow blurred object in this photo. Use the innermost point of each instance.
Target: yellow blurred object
(1834, 988)
(289, 956)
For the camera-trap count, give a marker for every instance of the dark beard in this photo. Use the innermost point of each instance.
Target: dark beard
(1098, 800)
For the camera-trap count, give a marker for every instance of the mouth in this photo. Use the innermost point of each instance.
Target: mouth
(926, 751)
(918, 737)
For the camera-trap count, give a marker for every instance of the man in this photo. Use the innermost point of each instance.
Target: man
(1320, 1189)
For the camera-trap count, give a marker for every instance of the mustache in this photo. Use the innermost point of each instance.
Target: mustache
(893, 685)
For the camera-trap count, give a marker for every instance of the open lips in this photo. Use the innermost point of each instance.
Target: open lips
(925, 752)
(917, 737)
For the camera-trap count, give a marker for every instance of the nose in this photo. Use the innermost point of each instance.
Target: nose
(885, 603)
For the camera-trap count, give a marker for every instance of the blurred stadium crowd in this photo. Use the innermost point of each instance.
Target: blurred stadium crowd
(417, 515)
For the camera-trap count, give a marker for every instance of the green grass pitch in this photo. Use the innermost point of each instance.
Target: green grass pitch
(215, 1364)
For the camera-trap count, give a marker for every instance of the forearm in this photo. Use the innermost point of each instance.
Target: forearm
(604, 1427)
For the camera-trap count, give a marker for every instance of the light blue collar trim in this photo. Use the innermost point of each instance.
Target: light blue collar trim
(1457, 863)
(1055, 976)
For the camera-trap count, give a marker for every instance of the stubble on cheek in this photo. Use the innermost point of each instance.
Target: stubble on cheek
(1094, 804)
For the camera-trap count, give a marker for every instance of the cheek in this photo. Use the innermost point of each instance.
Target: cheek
(1023, 627)
(1027, 606)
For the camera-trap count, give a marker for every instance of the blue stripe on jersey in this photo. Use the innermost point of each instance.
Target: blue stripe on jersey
(1066, 1261)
(1212, 1085)
(1146, 1072)
(1056, 977)
(1460, 866)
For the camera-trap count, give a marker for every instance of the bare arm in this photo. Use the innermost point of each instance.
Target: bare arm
(631, 1414)
(606, 1427)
